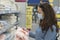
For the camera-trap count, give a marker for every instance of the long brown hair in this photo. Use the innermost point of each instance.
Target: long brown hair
(49, 17)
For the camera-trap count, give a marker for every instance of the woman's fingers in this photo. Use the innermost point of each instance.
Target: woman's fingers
(25, 29)
(28, 29)
(22, 38)
(21, 34)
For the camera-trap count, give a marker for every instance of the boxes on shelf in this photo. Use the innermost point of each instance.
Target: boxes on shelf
(11, 18)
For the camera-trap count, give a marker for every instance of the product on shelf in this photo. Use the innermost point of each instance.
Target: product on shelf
(9, 18)
(1, 25)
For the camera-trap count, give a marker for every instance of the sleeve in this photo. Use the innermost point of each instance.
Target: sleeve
(39, 35)
(32, 34)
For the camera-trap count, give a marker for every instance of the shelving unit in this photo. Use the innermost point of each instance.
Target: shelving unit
(10, 12)
(11, 26)
(10, 35)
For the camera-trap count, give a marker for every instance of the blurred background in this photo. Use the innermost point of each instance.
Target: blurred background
(26, 12)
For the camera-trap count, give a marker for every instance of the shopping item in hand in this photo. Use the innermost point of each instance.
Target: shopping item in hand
(1, 25)
(2, 37)
(21, 34)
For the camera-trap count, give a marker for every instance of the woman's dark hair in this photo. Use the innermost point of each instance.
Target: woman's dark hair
(49, 17)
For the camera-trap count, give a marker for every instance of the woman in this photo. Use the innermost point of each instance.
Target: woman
(48, 27)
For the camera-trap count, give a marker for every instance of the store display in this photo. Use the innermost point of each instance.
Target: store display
(1, 26)
(33, 2)
(57, 9)
(7, 36)
(4, 26)
(5, 32)
(11, 18)
(8, 4)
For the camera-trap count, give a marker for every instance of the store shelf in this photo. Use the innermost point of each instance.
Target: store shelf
(12, 25)
(9, 35)
(9, 12)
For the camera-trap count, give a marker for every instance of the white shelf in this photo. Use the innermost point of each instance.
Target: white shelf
(9, 12)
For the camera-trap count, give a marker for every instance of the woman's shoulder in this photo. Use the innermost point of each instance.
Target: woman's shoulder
(40, 30)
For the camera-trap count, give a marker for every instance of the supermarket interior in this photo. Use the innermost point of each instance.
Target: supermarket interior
(23, 14)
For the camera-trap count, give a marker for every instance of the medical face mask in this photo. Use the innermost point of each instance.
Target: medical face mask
(40, 16)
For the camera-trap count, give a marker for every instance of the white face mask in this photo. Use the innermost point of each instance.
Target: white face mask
(40, 16)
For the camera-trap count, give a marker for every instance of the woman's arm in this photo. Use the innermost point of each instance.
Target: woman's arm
(39, 34)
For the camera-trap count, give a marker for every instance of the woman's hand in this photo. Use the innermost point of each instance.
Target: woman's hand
(26, 29)
(2, 37)
(19, 38)
(22, 34)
